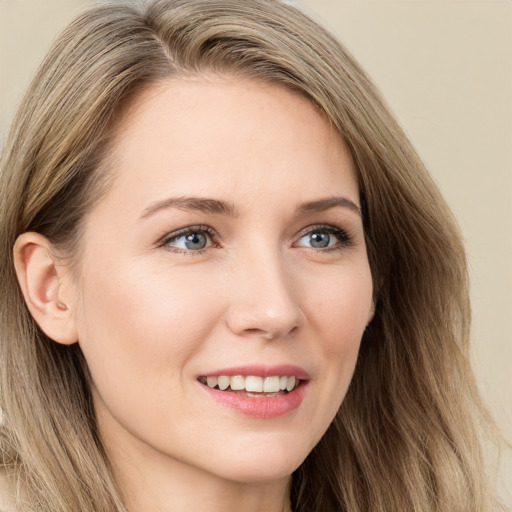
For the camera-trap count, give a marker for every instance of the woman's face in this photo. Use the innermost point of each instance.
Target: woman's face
(229, 251)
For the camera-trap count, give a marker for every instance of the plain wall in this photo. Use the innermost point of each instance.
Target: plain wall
(445, 67)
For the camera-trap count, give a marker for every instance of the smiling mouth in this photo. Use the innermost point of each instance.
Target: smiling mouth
(252, 385)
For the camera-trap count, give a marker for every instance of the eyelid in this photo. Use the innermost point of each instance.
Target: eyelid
(344, 237)
(168, 237)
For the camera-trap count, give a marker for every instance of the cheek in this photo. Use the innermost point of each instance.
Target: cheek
(138, 333)
(138, 325)
(339, 316)
(342, 311)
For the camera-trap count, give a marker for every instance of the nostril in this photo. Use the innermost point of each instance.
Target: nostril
(270, 334)
(260, 332)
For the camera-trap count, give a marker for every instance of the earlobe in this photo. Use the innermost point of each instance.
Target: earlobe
(41, 283)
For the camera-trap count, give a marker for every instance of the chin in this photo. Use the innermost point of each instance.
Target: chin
(266, 462)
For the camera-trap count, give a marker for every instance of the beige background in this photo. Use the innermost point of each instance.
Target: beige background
(445, 68)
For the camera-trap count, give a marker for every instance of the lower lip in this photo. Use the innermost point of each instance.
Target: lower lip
(264, 407)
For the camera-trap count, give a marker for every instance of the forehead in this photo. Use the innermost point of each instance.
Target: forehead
(226, 137)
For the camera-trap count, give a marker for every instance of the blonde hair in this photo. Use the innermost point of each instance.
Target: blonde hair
(406, 436)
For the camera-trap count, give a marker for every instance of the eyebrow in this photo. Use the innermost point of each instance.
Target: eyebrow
(200, 204)
(327, 203)
(219, 207)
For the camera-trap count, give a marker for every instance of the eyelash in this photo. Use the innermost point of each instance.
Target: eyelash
(189, 230)
(344, 239)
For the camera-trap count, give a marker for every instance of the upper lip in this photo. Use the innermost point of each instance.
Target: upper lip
(289, 370)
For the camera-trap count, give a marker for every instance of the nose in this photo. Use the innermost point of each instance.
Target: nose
(265, 299)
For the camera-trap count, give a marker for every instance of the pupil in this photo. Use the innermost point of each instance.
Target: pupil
(320, 240)
(195, 241)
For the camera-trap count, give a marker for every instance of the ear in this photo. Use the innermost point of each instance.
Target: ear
(46, 287)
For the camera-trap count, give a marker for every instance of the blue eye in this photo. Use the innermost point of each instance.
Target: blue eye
(324, 237)
(193, 239)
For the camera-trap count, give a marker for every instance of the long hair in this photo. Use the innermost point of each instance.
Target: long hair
(407, 434)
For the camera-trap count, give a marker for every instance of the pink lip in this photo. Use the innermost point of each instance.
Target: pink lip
(263, 407)
(259, 406)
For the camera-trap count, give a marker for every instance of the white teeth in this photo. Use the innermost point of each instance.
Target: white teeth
(237, 382)
(252, 383)
(223, 382)
(211, 381)
(271, 385)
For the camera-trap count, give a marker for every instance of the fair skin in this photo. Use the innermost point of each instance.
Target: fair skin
(263, 273)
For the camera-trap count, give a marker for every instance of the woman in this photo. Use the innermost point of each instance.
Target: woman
(232, 284)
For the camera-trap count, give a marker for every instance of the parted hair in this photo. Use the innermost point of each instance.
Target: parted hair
(407, 436)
